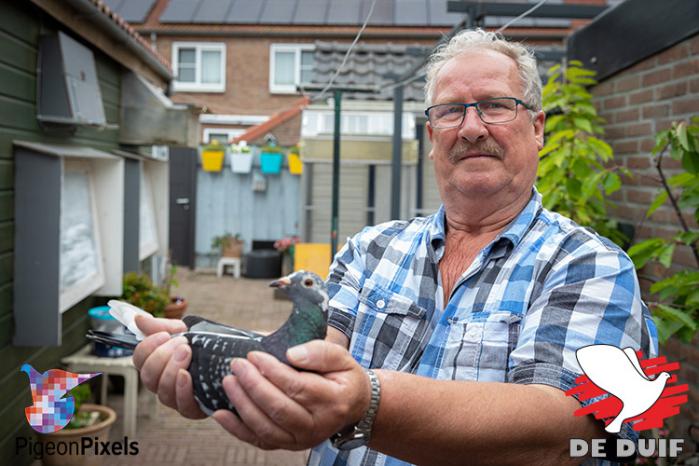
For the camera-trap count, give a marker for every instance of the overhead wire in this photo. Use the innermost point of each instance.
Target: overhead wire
(418, 76)
(321, 94)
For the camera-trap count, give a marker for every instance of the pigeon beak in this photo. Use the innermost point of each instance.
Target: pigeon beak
(281, 283)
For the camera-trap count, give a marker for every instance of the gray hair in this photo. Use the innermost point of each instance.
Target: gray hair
(479, 39)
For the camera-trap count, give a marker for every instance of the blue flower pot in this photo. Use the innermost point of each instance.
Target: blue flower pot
(271, 163)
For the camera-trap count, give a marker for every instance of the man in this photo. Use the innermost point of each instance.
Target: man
(470, 317)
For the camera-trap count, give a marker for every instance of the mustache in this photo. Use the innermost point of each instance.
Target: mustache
(462, 147)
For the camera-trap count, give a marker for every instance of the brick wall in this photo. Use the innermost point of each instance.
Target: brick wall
(637, 103)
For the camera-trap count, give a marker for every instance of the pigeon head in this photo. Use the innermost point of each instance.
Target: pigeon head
(303, 285)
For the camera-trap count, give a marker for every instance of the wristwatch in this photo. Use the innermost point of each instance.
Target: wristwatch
(358, 435)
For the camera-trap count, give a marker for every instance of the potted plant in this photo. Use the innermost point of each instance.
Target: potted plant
(271, 160)
(90, 420)
(228, 245)
(212, 156)
(241, 158)
(140, 291)
(178, 304)
(294, 160)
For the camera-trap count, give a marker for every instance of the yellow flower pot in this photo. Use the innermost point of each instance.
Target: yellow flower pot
(212, 159)
(295, 164)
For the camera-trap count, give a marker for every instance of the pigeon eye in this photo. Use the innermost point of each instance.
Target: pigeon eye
(308, 283)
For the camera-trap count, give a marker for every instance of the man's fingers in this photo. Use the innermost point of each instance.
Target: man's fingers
(302, 387)
(147, 346)
(151, 325)
(235, 426)
(166, 386)
(253, 417)
(320, 356)
(154, 365)
(184, 397)
(259, 384)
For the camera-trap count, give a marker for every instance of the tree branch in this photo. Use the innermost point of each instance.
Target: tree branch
(678, 212)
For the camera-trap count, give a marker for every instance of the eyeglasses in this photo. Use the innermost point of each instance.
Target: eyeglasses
(490, 111)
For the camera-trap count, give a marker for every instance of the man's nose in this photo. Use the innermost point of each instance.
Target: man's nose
(473, 129)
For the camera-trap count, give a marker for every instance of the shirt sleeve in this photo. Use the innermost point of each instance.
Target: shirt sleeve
(344, 284)
(588, 294)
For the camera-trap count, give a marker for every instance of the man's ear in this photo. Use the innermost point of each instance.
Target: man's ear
(539, 123)
(430, 136)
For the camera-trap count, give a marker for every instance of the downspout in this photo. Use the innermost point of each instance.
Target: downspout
(89, 9)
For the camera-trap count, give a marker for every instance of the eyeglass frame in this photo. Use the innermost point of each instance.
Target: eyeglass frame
(466, 105)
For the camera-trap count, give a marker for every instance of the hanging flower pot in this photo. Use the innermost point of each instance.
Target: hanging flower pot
(271, 161)
(212, 157)
(295, 164)
(241, 158)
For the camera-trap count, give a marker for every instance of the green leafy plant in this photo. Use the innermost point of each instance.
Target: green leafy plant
(81, 394)
(140, 291)
(677, 308)
(221, 241)
(575, 174)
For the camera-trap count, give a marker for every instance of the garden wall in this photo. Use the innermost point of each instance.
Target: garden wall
(637, 103)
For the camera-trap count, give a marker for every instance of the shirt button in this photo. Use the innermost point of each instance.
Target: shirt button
(380, 303)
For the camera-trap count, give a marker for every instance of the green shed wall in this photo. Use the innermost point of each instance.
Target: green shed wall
(21, 24)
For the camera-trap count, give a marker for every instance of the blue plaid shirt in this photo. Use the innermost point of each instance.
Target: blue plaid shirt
(539, 291)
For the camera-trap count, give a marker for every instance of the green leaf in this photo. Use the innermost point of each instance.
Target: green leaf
(680, 180)
(682, 136)
(673, 313)
(657, 202)
(665, 255)
(690, 162)
(666, 328)
(583, 124)
(644, 251)
(688, 237)
(661, 140)
(612, 183)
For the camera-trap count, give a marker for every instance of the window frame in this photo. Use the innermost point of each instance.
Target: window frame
(297, 49)
(197, 85)
(230, 132)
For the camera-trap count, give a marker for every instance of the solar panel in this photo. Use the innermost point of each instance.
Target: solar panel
(382, 15)
(212, 11)
(278, 12)
(245, 11)
(135, 11)
(344, 12)
(410, 12)
(310, 12)
(438, 15)
(180, 11)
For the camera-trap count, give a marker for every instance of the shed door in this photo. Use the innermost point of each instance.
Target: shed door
(183, 189)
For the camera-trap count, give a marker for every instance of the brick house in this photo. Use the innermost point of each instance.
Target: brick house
(242, 60)
(643, 89)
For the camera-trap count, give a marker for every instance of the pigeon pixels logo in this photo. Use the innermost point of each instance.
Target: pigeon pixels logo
(52, 409)
(620, 388)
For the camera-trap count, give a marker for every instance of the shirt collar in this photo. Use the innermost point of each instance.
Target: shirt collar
(513, 234)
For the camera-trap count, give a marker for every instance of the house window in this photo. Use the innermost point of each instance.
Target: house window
(223, 136)
(199, 67)
(80, 252)
(290, 65)
(148, 233)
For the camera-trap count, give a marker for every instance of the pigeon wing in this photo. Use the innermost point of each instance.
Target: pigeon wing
(211, 362)
(607, 366)
(200, 324)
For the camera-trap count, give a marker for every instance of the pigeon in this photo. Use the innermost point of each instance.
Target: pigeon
(51, 411)
(619, 372)
(214, 345)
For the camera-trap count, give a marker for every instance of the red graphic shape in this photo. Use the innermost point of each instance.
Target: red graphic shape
(608, 408)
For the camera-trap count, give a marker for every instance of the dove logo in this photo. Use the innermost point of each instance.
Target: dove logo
(52, 409)
(620, 389)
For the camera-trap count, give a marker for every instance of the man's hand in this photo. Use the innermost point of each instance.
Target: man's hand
(163, 361)
(281, 407)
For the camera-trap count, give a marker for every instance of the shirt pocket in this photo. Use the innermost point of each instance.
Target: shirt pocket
(479, 345)
(389, 330)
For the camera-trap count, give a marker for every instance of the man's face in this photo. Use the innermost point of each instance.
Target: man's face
(479, 159)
